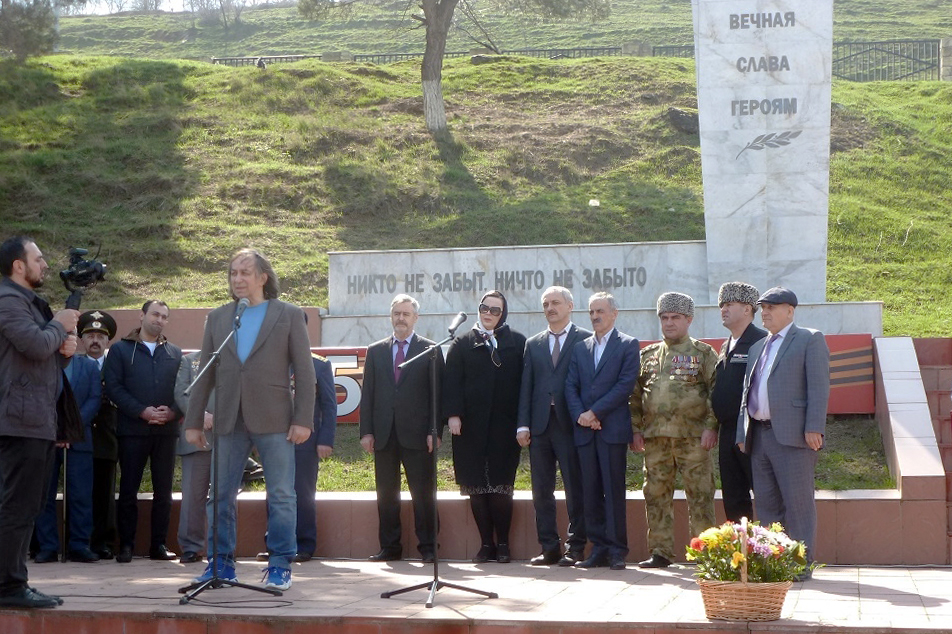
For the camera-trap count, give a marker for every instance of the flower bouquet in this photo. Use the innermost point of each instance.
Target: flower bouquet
(744, 570)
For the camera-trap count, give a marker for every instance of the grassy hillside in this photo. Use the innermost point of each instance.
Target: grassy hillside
(172, 165)
(270, 31)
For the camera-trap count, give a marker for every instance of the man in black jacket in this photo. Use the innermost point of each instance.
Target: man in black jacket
(140, 373)
(394, 427)
(34, 346)
(738, 303)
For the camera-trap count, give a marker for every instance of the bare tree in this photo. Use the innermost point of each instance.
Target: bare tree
(437, 18)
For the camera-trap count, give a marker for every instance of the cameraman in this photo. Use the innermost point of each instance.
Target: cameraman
(34, 349)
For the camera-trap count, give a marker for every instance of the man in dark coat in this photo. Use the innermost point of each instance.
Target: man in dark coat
(34, 348)
(395, 426)
(140, 376)
(546, 427)
(738, 304)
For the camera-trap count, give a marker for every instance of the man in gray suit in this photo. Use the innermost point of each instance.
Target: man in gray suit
(783, 417)
(546, 428)
(254, 406)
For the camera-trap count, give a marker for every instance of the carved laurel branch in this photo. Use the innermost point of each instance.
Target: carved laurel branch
(770, 140)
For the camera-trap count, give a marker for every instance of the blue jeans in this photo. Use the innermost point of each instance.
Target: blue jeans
(277, 458)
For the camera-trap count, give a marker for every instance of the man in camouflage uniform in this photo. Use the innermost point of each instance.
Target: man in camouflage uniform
(675, 426)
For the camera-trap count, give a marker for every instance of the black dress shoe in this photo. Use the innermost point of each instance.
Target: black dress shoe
(125, 555)
(502, 554)
(300, 558)
(104, 552)
(545, 558)
(190, 557)
(427, 556)
(83, 555)
(617, 564)
(486, 552)
(655, 561)
(27, 598)
(594, 561)
(161, 553)
(59, 601)
(46, 557)
(571, 557)
(387, 554)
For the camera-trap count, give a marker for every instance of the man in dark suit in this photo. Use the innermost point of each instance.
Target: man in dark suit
(602, 373)
(738, 304)
(783, 417)
(546, 427)
(255, 407)
(395, 426)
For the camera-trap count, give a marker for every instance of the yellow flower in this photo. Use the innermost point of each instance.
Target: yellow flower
(736, 560)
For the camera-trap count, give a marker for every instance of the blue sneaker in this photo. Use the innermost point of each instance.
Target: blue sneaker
(277, 578)
(226, 571)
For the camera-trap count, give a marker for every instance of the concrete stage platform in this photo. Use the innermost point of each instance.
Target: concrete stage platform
(343, 597)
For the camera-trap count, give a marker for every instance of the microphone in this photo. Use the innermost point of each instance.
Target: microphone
(243, 303)
(460, 318)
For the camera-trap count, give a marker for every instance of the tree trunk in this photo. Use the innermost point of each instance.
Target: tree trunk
(439, 17)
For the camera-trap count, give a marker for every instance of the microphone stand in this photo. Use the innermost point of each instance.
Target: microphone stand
(194, 589)
(436, 584)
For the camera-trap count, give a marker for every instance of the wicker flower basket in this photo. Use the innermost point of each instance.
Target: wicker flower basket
(741, 600)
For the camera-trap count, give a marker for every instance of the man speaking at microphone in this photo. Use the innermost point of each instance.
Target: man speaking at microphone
(255, 406)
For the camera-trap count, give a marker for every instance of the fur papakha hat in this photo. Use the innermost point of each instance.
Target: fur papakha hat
(676, 303)
(738, 292)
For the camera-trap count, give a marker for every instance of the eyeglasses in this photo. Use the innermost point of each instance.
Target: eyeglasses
(495, 311)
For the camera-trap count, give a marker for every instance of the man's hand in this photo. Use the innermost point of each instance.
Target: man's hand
(324, 451)
(708, 439)
(367, 442)
(298, 434)
(814, 440)
(150, 415)
(196, 437)
(638, 444)
(588, 419)
(429, 443)
(68, 317)
(68, 347)
(523, 438)
(165, 413)
(740, 446)
(209, 422)
(456, 425)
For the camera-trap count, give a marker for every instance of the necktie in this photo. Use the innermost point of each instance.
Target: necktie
(556, 349)
(753, 400)
(400, 358)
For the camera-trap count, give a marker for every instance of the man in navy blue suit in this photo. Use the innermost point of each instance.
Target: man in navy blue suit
(602, 374)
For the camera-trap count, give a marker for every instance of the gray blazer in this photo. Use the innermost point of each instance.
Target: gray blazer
(261, 386)
(798, 387)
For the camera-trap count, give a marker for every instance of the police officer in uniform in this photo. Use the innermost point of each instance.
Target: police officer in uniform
(675, 426)
(96, 329)
(738, 304)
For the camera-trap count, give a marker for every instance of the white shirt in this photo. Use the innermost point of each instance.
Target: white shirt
(762, 399)
(563, 335)
(600, 345)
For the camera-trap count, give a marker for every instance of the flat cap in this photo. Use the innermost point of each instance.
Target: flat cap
(778, 295)
(676, 303)
(97, 321)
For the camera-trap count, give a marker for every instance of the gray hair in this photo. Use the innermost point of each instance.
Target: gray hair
(566, 293)
(403, 297)
(612, 302)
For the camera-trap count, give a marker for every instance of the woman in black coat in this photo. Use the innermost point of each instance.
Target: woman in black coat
(481, 399)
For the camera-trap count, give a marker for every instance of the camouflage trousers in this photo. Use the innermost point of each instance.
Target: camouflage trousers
(664, 458)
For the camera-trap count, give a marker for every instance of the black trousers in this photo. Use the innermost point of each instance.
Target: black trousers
(26, 465)
(736, 481)
(421, 479)
(548, 449)
(104, 504)
(134, 452)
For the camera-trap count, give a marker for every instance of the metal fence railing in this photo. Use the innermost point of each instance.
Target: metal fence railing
(853, 61)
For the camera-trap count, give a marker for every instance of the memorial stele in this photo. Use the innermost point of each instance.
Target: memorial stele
(764, 71)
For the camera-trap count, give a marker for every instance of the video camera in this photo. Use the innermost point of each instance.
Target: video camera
(81, 275)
